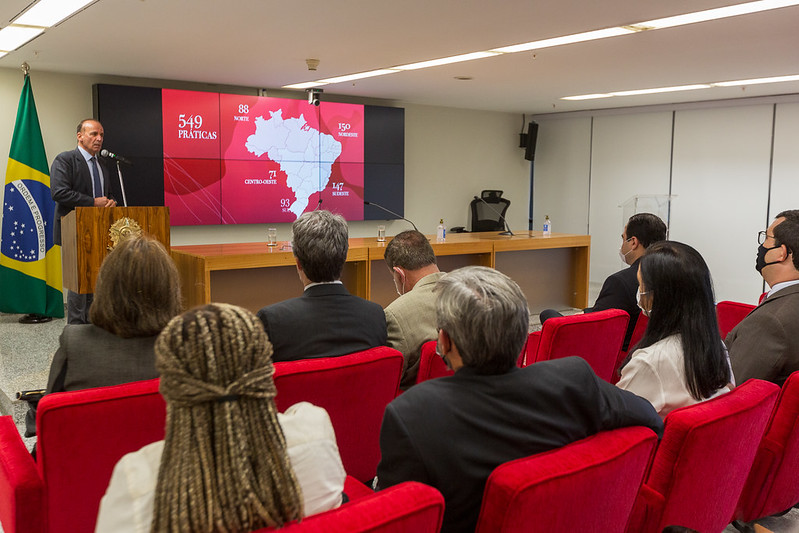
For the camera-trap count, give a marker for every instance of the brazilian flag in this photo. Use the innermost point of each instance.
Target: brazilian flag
(30, 265)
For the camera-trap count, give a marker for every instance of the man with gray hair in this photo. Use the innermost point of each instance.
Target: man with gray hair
(411, 318)
(452, 432)
(327, 320)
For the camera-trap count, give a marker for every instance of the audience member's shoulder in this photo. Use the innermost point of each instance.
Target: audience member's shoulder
(304, 421)
(278, 306)
(567, 368)
(84, 331)
(141, 465)
(426, 392)
(375, 307)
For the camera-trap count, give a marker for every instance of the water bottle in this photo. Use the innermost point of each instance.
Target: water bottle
(547, 226)
(441, 231)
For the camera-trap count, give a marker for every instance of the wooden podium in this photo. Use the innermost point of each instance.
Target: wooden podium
(86, 239)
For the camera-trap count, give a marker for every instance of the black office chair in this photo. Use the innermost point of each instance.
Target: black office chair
(489, 217)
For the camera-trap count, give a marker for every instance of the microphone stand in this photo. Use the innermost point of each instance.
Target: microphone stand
(121, 185)
(502, 218)
(392, 213)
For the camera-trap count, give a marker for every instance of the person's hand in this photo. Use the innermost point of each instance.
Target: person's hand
(102, 201)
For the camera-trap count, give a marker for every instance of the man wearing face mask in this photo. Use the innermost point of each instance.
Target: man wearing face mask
(452, 432)
(765, 344)
(411, 318)
(619, 289)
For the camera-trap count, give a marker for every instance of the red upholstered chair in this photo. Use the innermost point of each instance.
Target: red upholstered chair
(589, 485)
(430, 364)
(638, 334)
(82, 435)
(354, 389)
(703, 459)
(596, 337)
(406, 507)
(729, 314)
(773, 483)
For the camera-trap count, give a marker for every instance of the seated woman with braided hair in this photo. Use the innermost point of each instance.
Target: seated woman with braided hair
(230, 461)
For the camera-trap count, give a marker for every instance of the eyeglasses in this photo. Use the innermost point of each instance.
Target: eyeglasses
(762, 236)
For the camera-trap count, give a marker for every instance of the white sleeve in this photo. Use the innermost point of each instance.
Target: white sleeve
(313, 452)
(127, 506)
(641, 378)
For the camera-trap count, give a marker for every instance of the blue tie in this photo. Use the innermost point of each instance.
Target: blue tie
(98, 187)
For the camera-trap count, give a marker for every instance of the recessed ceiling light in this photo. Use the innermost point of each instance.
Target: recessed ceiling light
(306, 85)
(12, 37)
(447, 60)
(359, 76)
(566, 39)
(587, 96)
(464, 78)
(48, 13)
(667, 22)
(757, 81)
(718, 13)
(656, 90)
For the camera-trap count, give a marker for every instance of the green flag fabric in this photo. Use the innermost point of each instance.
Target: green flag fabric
(30, 264)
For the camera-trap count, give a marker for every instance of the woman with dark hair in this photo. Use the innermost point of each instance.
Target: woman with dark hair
(681, 359)
(230, 461)
(137, 293)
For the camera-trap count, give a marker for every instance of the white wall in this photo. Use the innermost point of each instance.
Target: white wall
(641, 142)
(450, 155)
(732, 166)
(720, 177)
(785, 170)
(562, 174)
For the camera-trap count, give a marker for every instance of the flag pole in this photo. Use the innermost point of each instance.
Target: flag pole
(31, 318)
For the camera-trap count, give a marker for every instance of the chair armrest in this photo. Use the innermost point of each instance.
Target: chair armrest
(354, 489)
(533, 340)
(21, 488)
(647, 511)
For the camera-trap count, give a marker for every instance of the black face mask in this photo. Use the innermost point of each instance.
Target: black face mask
(760, 262)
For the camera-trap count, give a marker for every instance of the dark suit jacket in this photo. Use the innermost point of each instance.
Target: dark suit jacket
(765, 344)
(326, 321)
(452, 432)
(71, 185)
(618, 292)
(89, 356)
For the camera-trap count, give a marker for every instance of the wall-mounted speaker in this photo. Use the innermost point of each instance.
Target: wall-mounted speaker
(532, 137)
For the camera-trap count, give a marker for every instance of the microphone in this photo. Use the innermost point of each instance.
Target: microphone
(112, 155)
(502, 218)
(391, 212)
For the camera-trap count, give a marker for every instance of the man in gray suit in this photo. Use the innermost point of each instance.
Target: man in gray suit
(411, 318)
(765, 344)
(78, 179)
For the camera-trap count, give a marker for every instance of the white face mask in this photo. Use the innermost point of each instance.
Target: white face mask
(399, 286)
(638, 294)
(622, 255)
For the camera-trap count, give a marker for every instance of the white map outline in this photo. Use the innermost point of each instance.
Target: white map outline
(304, 154)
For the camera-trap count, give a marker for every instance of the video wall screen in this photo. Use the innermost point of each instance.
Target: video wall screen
(216, 158)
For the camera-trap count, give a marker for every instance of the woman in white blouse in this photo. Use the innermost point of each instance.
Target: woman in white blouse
(681, 359)
(230, 461)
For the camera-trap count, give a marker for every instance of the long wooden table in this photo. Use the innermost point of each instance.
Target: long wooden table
(552, 271)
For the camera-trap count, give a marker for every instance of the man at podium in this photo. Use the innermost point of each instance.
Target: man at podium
(78, 178)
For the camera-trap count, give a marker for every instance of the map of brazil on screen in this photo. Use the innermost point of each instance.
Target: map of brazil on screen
(232, 159)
